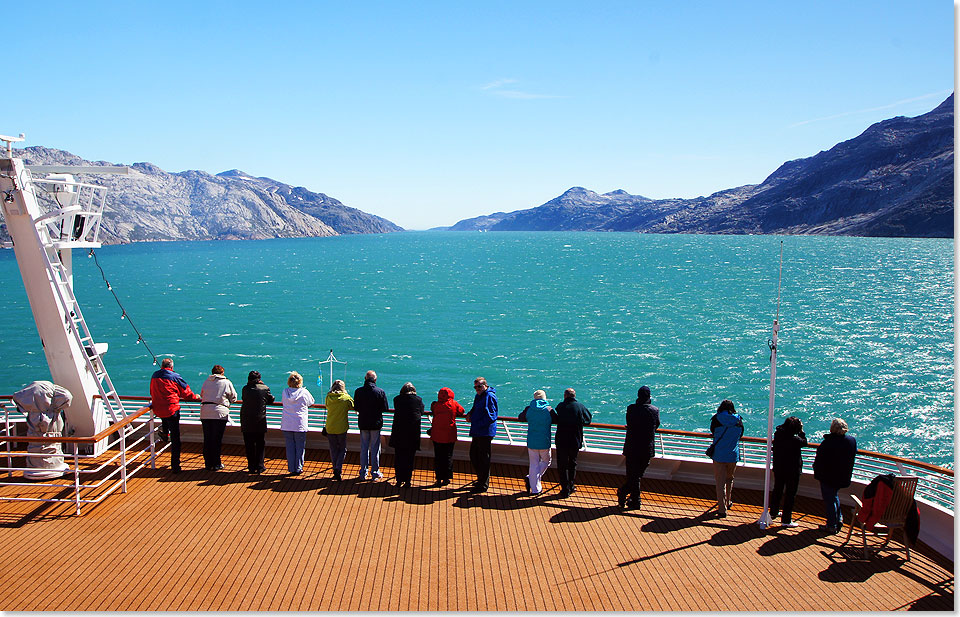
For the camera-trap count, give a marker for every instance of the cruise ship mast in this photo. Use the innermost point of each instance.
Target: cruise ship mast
(765, 518)
(47, 217)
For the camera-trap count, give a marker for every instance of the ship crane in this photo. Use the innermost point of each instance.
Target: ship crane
(43, 240)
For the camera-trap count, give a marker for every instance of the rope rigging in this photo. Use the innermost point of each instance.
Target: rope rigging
(123, 311)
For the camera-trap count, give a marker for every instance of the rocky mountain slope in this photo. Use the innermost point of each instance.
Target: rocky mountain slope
(152, 204)
(895, 179)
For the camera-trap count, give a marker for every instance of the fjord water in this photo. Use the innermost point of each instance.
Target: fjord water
(866, 323)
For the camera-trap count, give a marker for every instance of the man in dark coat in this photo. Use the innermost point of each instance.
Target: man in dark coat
(643, 419)
(483, 428)
(255, 397)
(788, 443)
(370, 403)
(572, 416)
(833, 467)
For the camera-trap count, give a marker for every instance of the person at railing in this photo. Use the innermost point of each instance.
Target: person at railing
(788, 443)
(293, 423)
(727, 429)
(443, 433)
(167, 389)
(217, 394)
(483, 428)
(539, 416)
(572, 416)
(833, 467)
(405, 432)
(338, 404)
(370, 403)
(643, 419)
(253, 420)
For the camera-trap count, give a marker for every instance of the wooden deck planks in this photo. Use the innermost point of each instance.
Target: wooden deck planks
(231, 541)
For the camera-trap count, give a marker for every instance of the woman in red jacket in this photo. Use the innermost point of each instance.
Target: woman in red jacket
(443, 433)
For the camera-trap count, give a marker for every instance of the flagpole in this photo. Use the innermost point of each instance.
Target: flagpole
(765, 518)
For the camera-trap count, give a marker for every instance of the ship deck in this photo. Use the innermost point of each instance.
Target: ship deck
(201, 541)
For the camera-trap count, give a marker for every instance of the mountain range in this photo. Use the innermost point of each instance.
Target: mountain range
(895, 179)
(152, 204)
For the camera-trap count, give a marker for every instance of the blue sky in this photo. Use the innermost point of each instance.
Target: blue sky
(429, 112)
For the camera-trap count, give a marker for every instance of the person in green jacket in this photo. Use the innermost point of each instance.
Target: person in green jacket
(338, 404)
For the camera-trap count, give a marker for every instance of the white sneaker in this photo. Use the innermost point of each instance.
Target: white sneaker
(791, 525)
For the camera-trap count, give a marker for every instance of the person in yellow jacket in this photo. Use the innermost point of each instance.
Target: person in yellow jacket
(338, 404)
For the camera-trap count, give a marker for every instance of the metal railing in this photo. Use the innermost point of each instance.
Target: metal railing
(129, 447)
(936, 483)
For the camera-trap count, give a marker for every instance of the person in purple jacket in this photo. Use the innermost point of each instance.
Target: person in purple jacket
(483, 428)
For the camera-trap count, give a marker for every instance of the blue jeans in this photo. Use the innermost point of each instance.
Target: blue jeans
(338, 449)
(370, 452)
(296, 446)
(831, 501)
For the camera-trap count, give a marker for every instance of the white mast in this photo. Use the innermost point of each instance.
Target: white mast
(765, 519)
(42, 242)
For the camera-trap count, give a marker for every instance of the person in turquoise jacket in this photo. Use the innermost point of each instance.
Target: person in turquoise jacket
(539, 416)
(727, 428)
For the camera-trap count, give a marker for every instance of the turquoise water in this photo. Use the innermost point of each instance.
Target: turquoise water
(866, 324)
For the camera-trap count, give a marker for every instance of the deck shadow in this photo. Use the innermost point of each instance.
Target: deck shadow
(850, 571)
(788, 542)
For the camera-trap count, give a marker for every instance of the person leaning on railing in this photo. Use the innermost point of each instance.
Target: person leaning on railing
(539, 416)
(216, 394)
(443, 433)
(483, 428)
(405, 432)
(833, 467)
(167, 389)
(338, 403)
(727, 428)
(293, 423)
(253, 420)
(788, 444)
(643, 419)
(370, 403)
(572, 416)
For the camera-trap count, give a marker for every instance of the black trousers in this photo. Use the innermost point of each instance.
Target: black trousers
(403, 463)
(254, 443)
(784, 486)
(212, 441)
(443, 461)
(480, 459)
(636, 466)
(171, 428)
(567, 466)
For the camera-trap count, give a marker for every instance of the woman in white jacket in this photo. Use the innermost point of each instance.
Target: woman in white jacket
(296, 400)
(216, 395)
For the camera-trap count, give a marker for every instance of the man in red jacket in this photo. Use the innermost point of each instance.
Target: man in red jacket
(167, 389)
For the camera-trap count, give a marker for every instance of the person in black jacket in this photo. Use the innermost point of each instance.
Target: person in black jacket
(788, 443)
(571, 418)
(405, 433)
(638, 446)
(833, 467)
(253, 420)
(370, 403)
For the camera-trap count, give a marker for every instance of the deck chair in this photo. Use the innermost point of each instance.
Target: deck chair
(894, 517)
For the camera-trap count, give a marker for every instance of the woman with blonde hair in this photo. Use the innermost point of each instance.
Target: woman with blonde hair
(293, 423)
(338, 403)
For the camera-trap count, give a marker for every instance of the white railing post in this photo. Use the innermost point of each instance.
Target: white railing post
(6, 423)
(123, 458)
(153, 447)
(506, 430)
(76, 475)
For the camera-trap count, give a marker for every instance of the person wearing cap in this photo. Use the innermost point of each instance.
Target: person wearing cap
(253, 420)
(572, 416)
(216, 396)
(638, 446)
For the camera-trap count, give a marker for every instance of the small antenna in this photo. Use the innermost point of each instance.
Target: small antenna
(779, 282)
(9, 140)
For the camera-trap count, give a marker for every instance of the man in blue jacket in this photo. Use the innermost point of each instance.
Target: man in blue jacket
(483, 428)
(572, 415)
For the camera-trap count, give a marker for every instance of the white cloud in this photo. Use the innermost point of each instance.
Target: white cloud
(924, 97)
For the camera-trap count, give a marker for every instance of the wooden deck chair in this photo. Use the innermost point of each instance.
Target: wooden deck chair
(893, 518)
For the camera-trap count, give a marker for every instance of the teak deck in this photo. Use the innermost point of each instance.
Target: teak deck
(202, 541)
